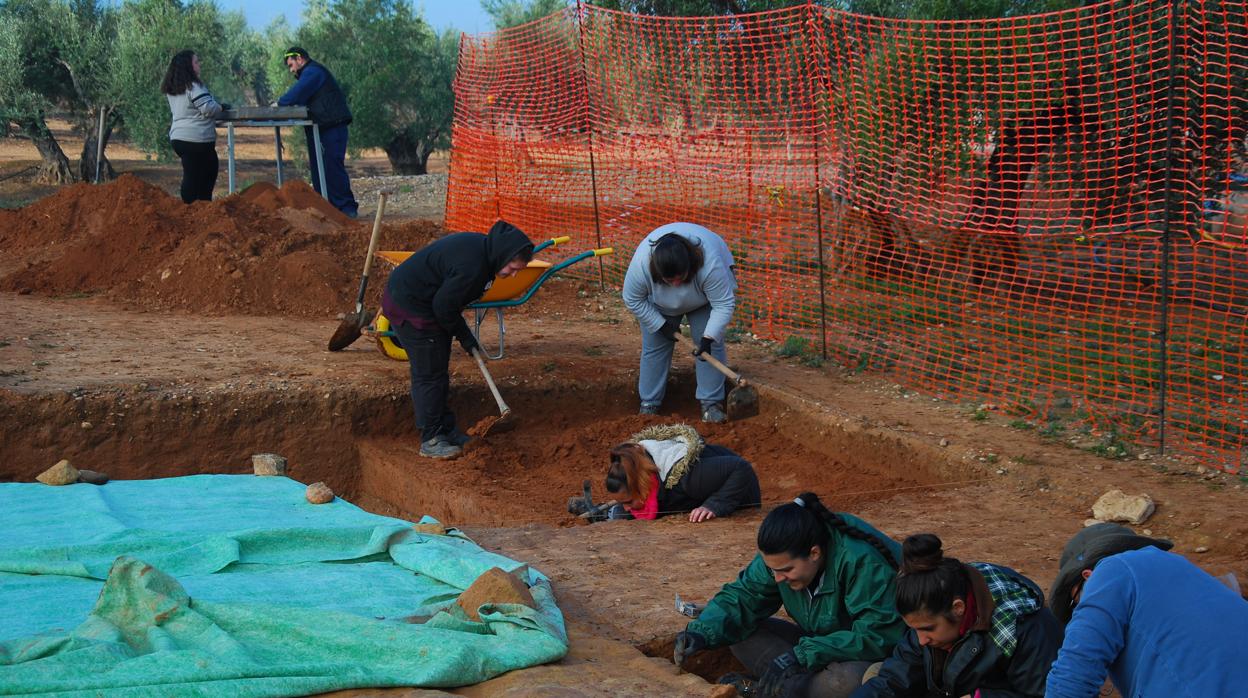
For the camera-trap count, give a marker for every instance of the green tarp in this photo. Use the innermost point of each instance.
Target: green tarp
(234, 585)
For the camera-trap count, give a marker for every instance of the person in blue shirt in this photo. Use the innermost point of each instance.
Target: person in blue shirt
(1157, 625)
(316, 89)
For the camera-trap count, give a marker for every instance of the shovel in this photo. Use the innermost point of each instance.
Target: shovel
(491, 425)
(742, 400)
(349, 329)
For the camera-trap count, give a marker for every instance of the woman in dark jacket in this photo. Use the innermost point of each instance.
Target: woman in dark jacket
(669, 468)
(976, 630)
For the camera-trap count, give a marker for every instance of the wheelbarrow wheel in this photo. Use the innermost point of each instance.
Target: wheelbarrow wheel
(388, 344)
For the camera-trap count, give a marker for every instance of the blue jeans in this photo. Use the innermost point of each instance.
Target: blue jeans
(334, 152)
(656, 360)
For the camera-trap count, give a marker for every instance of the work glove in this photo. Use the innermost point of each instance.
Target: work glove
(688, 643)
(226, 106)
(669, 329)
(469, 342)
(704, 347)
(782, 668)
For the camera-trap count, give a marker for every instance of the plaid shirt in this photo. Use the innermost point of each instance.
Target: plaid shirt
(1012, 600)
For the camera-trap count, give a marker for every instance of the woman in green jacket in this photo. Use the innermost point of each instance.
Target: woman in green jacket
(835, 575)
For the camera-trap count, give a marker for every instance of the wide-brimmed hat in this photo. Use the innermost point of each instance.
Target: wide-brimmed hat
(1085, 549)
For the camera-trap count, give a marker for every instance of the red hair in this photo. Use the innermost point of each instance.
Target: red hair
(633, 471)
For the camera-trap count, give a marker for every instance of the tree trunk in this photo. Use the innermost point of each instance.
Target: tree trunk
(55, 168)
(407, 157)
(90, 130)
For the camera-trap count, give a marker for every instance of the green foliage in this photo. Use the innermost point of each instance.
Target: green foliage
(804, 350)
(395, 71)
(149, 33)
(513, 13)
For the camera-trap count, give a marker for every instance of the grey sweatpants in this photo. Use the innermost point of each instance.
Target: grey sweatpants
(656, 360)
(773, 638)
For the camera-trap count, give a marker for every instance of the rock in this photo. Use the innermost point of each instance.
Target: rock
(1115, 505)
(944, 443)
(319, 493)
(63, 473)
(92, 477)
(1202, 549)
(493, 587)
(433, 529)
(268, 464)
(86, 425)
(1091, 522)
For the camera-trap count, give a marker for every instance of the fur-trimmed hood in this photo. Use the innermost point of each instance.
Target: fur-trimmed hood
(681, 434)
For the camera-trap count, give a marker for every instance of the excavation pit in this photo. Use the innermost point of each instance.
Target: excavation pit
(364, 446)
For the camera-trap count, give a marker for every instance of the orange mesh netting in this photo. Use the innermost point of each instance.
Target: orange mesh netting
(1045, 212)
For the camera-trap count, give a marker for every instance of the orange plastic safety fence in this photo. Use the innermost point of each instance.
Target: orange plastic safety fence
(1045, 213)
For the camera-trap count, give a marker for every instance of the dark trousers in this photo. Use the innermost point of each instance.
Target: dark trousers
(773, 638)
(199, 169)
(334, 152)
(429, 358)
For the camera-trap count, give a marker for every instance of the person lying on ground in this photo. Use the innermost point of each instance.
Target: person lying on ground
(834, 575)
(975, 629)
(425, 299)
(1156, 624)
(681, 270)
(669, 468)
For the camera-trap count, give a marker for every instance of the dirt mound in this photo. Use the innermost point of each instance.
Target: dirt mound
(265, 251)
(295, 194)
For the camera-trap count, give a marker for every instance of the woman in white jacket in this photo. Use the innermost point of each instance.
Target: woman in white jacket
(194, 130)
(681, 270)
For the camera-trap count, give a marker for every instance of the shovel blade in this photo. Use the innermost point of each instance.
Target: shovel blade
(493, 425)
(742, 402)
(349, 329)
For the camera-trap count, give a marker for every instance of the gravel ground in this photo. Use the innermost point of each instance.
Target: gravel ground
(414, 196)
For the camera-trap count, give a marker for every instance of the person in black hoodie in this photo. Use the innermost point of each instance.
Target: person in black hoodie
(669, 468)
(316, 88)
(425, 299)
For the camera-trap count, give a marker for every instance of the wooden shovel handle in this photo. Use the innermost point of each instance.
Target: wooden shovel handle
(719, 365)
(376, 236)
(503, 409)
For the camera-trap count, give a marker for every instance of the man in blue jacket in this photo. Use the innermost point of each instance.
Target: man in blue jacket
(316, 88)
(1158, 625)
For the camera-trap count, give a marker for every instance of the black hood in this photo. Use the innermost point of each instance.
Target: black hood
(503, 243)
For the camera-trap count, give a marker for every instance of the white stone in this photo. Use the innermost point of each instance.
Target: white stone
(1115, 505)
(268, 464)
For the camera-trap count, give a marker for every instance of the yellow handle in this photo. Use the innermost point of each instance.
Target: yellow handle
(562, 240)
(604, 251)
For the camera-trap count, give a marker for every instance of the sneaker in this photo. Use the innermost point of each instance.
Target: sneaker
(713, 414)
(439, 447)
(458, 438)
(648, 408)
(744, 684)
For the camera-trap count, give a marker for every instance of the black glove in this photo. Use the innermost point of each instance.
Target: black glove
(226, 106)
(688, 643)
(704, 347)
(781, 669)
(669, 329)
(469, 342)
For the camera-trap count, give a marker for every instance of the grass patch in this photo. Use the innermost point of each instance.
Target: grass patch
(802, 349)
(595, 350)
(1021, 424)
(548, 366)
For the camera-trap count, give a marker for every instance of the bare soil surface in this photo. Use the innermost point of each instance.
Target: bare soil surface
(137, 376)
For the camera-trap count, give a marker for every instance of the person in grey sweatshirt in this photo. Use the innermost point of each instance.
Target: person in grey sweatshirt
(194, 130)
(681, 270)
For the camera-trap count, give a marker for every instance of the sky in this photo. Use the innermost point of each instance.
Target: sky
(464, 15)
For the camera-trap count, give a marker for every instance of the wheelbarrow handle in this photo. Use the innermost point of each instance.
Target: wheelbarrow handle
(719, 365)
(553, 242)
(604, 251)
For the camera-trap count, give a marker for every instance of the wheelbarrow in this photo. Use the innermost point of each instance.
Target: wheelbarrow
(503, 293)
